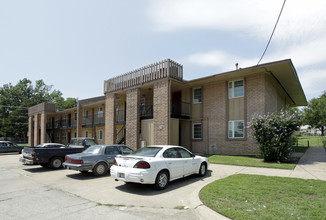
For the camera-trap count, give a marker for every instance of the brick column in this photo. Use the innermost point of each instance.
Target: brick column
(132, 119)
(36, 134)
(43, 128)
(79, 120)
(110, 119)
(30, 131)
(161, 112)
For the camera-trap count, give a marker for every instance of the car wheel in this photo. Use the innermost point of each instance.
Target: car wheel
(202, 169)
(44, 164)
(162, 180)
(100, 169)
(56, 163)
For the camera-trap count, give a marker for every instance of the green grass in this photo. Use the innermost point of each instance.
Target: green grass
(314, 141)
(247, 161)
(262, 197)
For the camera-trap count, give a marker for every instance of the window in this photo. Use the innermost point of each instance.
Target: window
(86, 133)
(75, 134)
(184, 153)
(197, 131)
(236, 89)
(197, 95)
(64, 136)
(171, 153)
(100, 135)
(86, 114)
(75, 116)
(236, 129)
(100, 112)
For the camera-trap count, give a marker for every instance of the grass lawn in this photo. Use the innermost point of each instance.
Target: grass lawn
(247, 161)
(262, 197)
(314, 141)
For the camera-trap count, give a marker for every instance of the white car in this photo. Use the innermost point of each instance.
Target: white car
(158, 165)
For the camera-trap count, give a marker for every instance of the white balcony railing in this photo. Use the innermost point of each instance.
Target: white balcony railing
(164, 69)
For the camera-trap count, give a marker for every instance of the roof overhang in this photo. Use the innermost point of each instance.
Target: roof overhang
(282, 71)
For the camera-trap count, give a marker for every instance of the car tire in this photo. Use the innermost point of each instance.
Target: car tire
(162, 180)
(100, 169)
(202, 169)
(56, 163)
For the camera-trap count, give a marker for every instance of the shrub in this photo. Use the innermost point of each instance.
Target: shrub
(273, 133)
(323, 140)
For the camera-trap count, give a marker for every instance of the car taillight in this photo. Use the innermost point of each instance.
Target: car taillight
(33, 155)
(142, 165)
(115, 162)
(68, 160)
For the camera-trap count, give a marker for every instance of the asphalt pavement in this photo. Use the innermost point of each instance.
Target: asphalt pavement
(33, 192)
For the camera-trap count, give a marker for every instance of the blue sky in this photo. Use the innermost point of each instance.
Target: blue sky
(75, 45)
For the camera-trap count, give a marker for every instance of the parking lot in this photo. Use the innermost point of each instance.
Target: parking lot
(34, 192)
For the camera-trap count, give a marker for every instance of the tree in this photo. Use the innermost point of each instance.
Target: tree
(315, 113)
(15, 101)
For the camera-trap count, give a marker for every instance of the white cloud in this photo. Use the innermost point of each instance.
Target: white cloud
(300, 18)
(217, 58)
(313, 82)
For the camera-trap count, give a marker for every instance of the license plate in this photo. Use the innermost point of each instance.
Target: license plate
(121, 175)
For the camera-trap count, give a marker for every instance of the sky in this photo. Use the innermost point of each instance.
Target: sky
(75, 45)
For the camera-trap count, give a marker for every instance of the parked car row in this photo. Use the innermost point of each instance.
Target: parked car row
(8, 146)
(157, 165)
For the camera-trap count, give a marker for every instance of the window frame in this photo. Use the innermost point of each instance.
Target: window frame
(232, 94)
(100, 134)
(196, 101)
(201, 131)
(233, 129)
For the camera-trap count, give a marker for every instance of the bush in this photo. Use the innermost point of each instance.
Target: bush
(273, 133)
(323, 140)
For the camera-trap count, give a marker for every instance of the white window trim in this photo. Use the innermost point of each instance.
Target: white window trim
(99, 136)
(193, 131)
(233, 137)
(195, 101)
(232, 95)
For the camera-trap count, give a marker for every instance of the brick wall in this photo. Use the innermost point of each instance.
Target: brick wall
(215, 118)
(132, 119)
(161, 112)
(109, 133)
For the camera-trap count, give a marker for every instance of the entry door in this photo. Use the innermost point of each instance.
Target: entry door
(176, 103)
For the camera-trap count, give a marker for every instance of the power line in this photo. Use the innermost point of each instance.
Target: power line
(270, 39)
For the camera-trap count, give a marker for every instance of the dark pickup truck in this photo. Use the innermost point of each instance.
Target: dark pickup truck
(54, 157)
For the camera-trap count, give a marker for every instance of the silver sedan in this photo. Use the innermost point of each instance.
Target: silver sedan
(97, 158)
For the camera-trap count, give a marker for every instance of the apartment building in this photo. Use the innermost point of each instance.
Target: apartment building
(155, 105)
(47, 124)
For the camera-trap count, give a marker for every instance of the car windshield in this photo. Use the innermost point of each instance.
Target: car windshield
(93, 150)
(40, 145)
(146, 151)
(76, 142)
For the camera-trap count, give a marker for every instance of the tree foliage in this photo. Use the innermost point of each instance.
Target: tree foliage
(273, 133)
(315, 113)
(16, 99)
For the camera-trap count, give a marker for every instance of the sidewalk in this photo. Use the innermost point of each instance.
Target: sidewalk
(312, 165)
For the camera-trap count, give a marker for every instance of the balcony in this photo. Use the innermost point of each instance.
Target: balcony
(121, 116)
(146, 110)
(180, 110)
(99, 119)
(164, 69)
